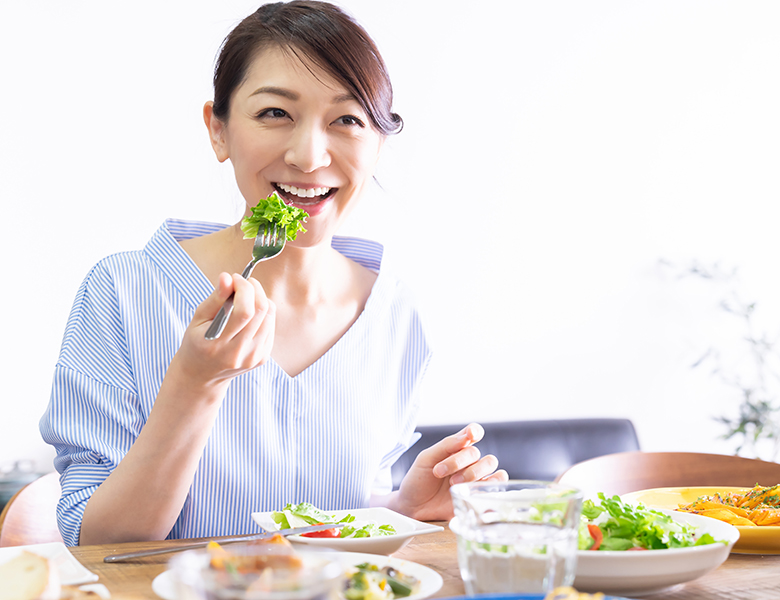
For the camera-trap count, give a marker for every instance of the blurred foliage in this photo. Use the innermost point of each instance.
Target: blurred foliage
(756, 425)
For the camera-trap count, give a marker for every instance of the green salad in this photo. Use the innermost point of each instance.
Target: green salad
(615, 525)
(274, 211)
(305, 513)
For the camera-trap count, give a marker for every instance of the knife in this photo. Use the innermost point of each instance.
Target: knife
(228, 540)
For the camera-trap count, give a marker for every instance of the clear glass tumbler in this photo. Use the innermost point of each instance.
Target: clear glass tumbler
(516, 536)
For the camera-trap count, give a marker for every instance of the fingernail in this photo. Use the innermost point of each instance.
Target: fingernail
(440, 470)
(457, 478)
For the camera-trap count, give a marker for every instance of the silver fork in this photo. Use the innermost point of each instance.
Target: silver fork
(267, 245)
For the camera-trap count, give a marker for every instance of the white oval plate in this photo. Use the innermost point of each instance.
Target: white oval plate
(405, 527)
(430, 581)
(650, 571)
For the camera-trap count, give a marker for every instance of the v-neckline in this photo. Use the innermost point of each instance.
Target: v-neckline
(352, 331)
(203, 288)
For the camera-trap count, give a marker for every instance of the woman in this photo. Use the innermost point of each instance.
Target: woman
(312, 390)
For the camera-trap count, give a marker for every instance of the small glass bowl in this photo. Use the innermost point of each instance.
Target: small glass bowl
(316, 577)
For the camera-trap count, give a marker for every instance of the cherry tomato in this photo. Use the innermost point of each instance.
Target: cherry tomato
(325, 533)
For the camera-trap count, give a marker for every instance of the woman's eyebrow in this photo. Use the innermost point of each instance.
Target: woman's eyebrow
(290, 95)
(346, 97)
(277, 91)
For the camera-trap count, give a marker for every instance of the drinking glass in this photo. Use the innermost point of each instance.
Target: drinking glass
(516, 536)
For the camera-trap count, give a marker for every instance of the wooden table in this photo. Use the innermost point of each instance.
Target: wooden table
(741, 577)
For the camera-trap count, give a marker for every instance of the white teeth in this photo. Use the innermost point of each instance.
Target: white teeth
(302, 192)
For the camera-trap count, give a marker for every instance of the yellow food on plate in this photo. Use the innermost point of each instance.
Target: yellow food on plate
(569, 593)
(757, 507)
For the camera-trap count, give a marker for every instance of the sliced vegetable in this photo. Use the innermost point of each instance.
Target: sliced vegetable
(595, 533)
(325, 533)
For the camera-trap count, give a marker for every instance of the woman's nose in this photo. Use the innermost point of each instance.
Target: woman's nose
(308, 150)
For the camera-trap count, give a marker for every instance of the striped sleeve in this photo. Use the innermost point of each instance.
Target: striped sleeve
(93, 415)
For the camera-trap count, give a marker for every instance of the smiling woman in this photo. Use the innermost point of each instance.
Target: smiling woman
(312, 390)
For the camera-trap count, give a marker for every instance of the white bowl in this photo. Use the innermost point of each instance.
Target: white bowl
(405, 529)
(639, 573)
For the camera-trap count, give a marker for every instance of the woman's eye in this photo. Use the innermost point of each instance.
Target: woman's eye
(272, 113)
(350, 121)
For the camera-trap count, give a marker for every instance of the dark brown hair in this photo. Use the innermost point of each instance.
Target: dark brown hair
(325, 35)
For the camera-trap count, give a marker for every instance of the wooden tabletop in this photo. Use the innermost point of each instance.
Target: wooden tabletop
(741, 576)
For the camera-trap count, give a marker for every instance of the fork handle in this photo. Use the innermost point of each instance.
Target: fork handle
(219, 322)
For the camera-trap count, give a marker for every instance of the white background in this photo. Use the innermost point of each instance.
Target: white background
(554, 152)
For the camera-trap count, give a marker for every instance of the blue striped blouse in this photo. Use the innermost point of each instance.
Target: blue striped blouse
(328, 435)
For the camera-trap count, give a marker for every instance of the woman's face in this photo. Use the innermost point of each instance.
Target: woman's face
(294, 129)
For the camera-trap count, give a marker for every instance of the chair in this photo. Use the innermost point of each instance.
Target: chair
(30, 515)
(633, 471)
(531, 449)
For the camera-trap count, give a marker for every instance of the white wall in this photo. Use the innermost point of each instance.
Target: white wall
(553, 153)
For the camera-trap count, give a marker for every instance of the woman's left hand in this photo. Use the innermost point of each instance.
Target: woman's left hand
(425, 490)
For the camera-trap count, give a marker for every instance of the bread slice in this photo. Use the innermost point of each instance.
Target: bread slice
(29, 577)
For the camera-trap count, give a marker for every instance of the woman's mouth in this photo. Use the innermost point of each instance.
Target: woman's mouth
(304, 197)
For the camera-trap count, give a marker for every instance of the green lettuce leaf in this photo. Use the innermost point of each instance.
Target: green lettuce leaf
(273, 210)
(313, 515)
(627, 526)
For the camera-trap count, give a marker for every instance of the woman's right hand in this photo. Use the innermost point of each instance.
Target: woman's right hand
(144, 495)
(246, 341)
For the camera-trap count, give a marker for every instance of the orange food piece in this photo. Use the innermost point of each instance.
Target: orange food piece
(276, 538)
(275, 552)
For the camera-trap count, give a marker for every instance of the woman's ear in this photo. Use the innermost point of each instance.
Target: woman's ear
(216, 132)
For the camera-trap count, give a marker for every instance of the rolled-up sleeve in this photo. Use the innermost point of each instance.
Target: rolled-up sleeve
(93, 417)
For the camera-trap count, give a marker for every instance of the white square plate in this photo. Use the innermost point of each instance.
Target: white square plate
(71, 571)
(405, 527)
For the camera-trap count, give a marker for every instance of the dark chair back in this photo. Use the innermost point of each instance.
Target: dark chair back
(534, 449)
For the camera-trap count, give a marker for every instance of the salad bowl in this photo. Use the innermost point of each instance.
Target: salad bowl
(632, 574)
(405, 529)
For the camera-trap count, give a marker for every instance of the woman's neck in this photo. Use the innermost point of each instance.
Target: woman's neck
(303, 275)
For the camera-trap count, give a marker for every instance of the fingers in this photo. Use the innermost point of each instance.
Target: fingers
(209, 308)
(247, 338)
(457, 458)
(457, 462)
(482, 470)
(250, 306)
(453, 444)
(499, 476)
